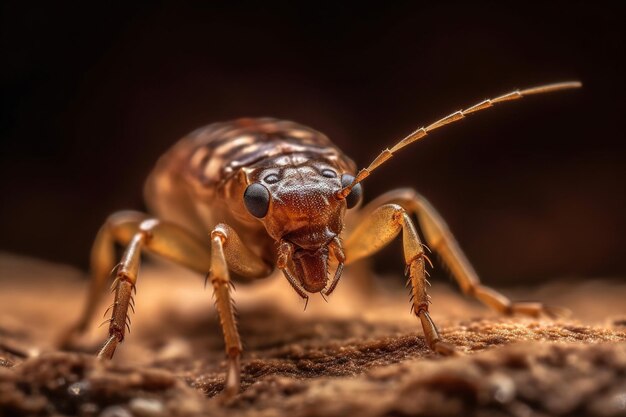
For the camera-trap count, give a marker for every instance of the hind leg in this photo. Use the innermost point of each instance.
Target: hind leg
(441, 240)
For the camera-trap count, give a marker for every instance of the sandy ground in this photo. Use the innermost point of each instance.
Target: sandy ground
(361, 353)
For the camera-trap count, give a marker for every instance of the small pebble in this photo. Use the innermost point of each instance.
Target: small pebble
(115, 411)
(88, 409)
(78, 389)
(5, 363)
(503, 388)
(146, 407)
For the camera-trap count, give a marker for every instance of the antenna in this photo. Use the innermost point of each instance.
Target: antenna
(451, 118)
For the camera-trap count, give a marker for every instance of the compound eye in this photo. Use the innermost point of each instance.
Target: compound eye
(257, 199)
(356, 194)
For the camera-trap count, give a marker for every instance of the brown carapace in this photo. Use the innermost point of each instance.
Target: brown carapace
(274, 194)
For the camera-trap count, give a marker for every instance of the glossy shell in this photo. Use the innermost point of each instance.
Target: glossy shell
(200, 181)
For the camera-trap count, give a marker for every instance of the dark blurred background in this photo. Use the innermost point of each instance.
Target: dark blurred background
(92, 94)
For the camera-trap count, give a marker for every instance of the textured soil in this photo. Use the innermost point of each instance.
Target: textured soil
(361, 354)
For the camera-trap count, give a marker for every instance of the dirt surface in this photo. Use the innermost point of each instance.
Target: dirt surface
(361, 354)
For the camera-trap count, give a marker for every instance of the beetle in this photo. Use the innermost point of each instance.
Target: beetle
(274, 194)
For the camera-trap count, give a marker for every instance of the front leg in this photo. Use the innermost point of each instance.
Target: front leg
(229, 252)
(375, 232)
(168, 240)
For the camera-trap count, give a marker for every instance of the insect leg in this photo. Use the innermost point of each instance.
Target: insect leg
(125, 281)
(177, 244)
(229, 252)
(376, 231)
(165, 239)
(124, 224)
(220, 279)
(441, 240)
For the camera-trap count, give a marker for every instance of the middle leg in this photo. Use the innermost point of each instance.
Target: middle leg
(376, 231)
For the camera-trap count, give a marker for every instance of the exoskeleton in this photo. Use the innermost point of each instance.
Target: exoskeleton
(245, 197)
